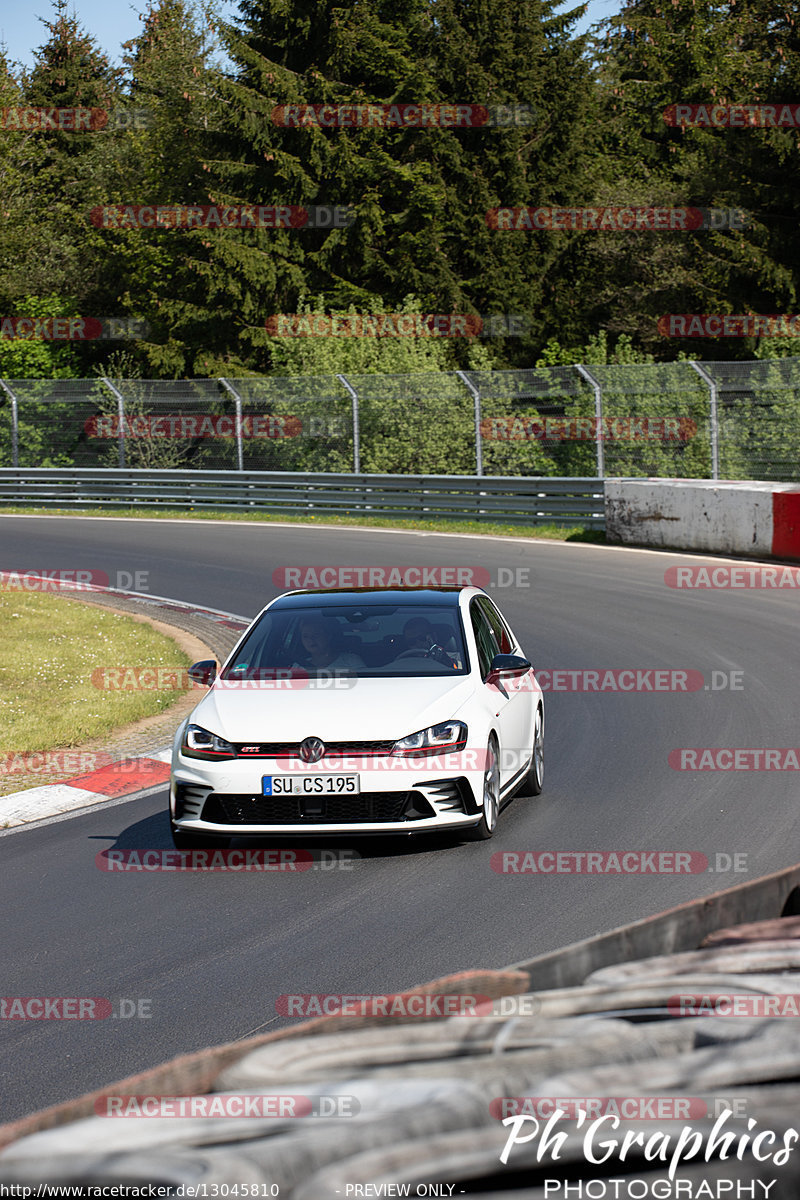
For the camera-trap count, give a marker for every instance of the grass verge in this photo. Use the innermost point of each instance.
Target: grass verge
(568, 533)
(51, 692)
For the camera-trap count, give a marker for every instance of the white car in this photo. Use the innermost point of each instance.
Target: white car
(368, 711)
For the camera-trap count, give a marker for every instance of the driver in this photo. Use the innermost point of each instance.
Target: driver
(420, 640)
(320, 640)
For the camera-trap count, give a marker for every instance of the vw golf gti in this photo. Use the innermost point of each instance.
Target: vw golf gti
(368, 711)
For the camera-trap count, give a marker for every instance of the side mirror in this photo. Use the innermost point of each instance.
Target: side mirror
(507, 666)
(204, 672)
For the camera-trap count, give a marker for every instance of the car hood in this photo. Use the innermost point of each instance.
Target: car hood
(369, 710)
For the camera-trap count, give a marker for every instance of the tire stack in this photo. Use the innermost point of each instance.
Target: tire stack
(425, 1097)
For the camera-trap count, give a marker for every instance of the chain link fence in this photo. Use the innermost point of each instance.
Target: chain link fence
(737, 420)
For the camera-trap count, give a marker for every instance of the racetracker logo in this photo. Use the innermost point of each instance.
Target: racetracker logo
(193, 425)
(621, 679)
(629, 679)
(215, 216)
(73, 120)
(517, 428)
(72, 329)
(155, 861)
(735, 116)
(736, 758)
(75, 762)
(403, 1005)
(732, 577)
(720, 325)
(402, 116)
(227, 1104)
(382, 325)
(616, 219)
(731, 1004)
(598, 862)
(55, 1008)
(625, 1108)
(160, 679)
(313, 575)
(72, 580)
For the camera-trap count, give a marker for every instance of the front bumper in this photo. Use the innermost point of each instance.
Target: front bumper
(226, 798)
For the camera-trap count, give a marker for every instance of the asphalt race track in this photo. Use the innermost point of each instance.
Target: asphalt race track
(212, 953)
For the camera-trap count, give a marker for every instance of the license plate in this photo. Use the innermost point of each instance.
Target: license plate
(310, 785)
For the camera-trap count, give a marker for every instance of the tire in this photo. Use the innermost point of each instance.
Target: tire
(534, 780)
(182, 840)
(491, 798)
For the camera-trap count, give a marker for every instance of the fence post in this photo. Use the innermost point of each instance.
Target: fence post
(120, 417)
(238, 402)
(14, 423)
(598, 416)
(713, 418)
(476, 396)
(356, 426)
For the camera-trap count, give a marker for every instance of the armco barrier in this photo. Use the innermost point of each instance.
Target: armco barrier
(517, 500)
(757, 520)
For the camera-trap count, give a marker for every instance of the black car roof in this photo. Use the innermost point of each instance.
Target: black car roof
(444, 597)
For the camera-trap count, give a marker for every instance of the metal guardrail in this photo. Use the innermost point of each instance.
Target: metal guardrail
(515, 500)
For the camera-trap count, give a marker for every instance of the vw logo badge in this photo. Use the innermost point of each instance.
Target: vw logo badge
(312, 749)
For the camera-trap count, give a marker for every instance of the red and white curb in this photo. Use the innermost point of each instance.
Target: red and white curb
(123, 778)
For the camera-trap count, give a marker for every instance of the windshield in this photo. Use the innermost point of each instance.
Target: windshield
(385, 641)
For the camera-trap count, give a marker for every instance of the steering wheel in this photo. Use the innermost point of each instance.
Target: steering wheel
(433, 651)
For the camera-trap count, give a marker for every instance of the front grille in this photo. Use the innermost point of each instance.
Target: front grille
(317, 810)
(292, 749)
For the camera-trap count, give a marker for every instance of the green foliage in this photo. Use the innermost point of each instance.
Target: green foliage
(420, 240)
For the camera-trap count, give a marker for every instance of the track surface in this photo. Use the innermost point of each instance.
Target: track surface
(213, 952)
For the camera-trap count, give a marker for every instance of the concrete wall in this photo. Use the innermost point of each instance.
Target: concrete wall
(752, 519)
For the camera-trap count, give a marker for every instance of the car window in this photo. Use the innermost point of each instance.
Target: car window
(389, 640)
(485, 638)
(499, 628)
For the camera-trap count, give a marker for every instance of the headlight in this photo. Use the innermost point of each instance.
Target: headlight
(450, 735)
(199, 743)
